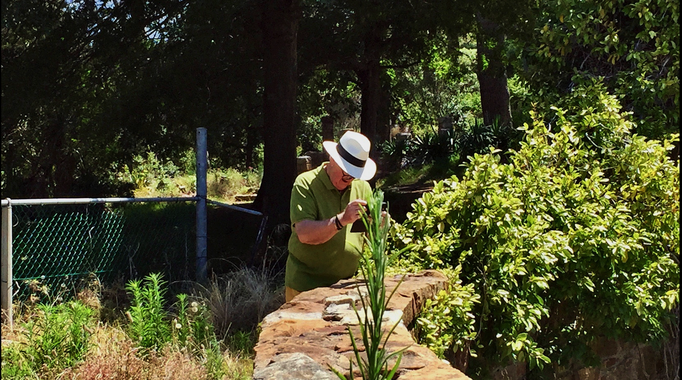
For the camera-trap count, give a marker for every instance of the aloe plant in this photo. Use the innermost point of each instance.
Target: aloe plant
(373, 269)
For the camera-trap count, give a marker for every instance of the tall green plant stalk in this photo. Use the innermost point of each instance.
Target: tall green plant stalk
(147, 316)
(373, 269)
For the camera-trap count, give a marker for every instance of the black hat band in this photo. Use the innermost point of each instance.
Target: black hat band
(349, 157)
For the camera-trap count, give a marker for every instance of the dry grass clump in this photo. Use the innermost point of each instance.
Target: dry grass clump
(114, 357)
(224, 185)
(239, 300)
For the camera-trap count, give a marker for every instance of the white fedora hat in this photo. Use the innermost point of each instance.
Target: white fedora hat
(352, 155)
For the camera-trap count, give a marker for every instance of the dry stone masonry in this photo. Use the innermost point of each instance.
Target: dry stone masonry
(306, 336)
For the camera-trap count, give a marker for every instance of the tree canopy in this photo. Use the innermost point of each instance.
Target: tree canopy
(88, 85)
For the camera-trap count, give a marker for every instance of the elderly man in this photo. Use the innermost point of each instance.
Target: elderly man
(324, 204)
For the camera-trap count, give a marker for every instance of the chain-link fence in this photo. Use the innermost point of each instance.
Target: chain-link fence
(62, 245)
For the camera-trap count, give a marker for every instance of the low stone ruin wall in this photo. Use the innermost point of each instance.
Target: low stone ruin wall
(308, 335)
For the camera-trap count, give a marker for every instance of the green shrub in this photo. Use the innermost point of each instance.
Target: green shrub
(447, 323)
(577, 237)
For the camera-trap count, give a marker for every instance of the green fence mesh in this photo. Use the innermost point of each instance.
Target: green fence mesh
(63, 245)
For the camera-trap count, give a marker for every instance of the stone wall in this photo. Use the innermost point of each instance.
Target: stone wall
(307, 336)
(619, 361)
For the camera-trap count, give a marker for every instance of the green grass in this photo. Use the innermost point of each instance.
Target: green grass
(423, 175)
(222, 185)
(153, 178)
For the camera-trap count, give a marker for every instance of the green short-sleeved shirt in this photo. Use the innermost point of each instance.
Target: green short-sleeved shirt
(313, 197)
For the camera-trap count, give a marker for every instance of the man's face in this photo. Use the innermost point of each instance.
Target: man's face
(340, 179)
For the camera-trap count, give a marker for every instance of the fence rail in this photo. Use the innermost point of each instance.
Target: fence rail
(75, 201)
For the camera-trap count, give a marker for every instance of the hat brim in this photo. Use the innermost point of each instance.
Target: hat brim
(365, 173)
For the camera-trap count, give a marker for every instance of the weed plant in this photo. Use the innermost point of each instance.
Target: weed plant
(373, 269)
(59, 338)
(56, 338)
(151, 327)
(147, 316)
(192, 328)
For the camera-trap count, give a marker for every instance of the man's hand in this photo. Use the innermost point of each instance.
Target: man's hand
(352, 212)
(320, 231)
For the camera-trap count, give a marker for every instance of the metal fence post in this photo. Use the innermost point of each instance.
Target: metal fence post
(202, 165)
(6, 290)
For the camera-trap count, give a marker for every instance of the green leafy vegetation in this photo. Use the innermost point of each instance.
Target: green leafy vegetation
(575, 238)
(632, 46)
(148, 325)
(57, 338)
(448, 325)
(152, 340)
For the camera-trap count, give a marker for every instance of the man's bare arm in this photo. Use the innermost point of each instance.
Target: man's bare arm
(320, 231)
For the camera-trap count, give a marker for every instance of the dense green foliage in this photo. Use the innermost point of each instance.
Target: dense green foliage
(449, 323)
(575, 238)
(148, 327)
(632, 45)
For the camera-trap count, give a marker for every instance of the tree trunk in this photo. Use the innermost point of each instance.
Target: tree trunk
(370, 85)
(280, 24)
(491, 73)
(371, 96)
(384, 119)
(327, 128)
